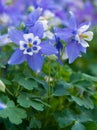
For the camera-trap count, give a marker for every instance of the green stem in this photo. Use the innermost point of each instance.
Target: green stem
(49, 91)
(9, 91)
(0, 72)
(17, 90)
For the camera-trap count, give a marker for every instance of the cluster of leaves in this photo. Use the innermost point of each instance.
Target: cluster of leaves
(57, 98)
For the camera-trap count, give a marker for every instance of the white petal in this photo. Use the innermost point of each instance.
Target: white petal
(48, 34)
(89, 35)
(44, 22)
(37, 39)
(28, 36)
(22, 45)
(29, 53)
(64, 56)
(36, 51)
(83, 28)
(84, 43)
(77, 38)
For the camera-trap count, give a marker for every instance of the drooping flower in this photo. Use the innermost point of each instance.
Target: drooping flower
(31, 47)
(83, 35)
(76, 38)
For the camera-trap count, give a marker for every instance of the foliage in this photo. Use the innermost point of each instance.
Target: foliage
(67, 102)
(61, 96)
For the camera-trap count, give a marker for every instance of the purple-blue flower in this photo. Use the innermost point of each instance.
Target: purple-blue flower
(76, 38)
(8, 16)
(33, 17)
(31, 47)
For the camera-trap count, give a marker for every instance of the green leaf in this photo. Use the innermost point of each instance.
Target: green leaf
(93, 114)
(60, 91)
(89, 77)
(14, 114)
(86, 102)
(91, 126)
(28, 83)
(75, 77)
(40, 81)
(35, 123)
(62, 88)
(17, 78)
(84, 84)
(78, 126)
(64, 118)
(84, 117)
(37, 105)
(7, 82)
(26, 101)
(2, 86)
(42, 102)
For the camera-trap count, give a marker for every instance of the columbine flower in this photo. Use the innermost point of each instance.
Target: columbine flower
(76, 38)
(35, 16)
(31, 47)
(83, 35)
(2, 106)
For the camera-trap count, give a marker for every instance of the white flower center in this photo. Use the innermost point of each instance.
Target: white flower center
(30, 45)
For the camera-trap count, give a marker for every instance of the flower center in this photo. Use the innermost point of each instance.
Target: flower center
(83, 36)
(30, 45)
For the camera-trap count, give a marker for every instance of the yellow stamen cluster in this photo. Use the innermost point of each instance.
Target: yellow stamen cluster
(83, 36)
(30, 45)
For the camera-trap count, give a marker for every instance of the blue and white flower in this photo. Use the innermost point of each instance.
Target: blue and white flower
(83, 35)
(76, 38)
(31, 44)
(31, 47)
